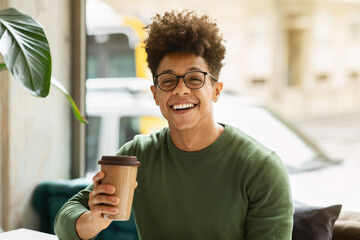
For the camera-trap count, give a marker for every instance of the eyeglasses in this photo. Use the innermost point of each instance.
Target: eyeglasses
(193, 80)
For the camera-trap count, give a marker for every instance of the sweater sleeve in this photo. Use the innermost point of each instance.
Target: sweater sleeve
(270, 213)
(65, 221)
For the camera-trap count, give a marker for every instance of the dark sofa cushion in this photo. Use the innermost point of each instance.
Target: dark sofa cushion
(314, 223)
(49, 197)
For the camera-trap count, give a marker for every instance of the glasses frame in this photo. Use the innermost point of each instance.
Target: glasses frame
(156, 82)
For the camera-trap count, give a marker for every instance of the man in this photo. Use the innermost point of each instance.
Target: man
(198, 179)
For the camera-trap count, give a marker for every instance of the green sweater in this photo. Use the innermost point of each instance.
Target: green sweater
(234, 189)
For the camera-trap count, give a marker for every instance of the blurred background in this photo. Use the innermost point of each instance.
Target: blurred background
(297, 59)
(301, 57)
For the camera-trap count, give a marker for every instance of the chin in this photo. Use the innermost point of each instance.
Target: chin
(182, 126)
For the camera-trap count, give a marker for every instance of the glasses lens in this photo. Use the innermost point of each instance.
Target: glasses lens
(195, 79)
(167, 81)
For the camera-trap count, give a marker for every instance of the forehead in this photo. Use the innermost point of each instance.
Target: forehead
(180, 63)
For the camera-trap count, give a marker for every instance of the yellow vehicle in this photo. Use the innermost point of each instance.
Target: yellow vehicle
(117, 50)
(119, 104)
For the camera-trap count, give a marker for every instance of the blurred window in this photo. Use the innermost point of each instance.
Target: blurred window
(93, 67)
(121, 65)
(128, 128)
(295, 56)
(354, 26)
(93, 129)
(100, 132)
(355, 32)
(131, 126)
(110, 56)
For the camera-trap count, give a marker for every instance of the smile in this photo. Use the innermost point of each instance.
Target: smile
(183, 106)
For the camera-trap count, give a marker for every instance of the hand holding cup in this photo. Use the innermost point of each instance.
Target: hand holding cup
(102, 201)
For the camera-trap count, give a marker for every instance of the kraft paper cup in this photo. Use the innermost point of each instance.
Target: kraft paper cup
(120, 171)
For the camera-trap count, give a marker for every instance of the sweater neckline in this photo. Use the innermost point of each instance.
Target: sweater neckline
(209, 152)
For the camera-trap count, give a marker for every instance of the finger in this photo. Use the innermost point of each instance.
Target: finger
(97, 178)
(136, 184)
(106, 189)
(101, 209)
(104, 199)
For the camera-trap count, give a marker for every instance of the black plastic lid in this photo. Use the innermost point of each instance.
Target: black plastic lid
(119, 160)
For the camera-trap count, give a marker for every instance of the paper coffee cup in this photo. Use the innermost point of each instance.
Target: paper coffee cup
(120, 171)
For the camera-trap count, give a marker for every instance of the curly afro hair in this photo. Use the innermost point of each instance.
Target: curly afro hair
(184, 32)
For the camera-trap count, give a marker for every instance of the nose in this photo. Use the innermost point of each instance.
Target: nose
(181, 88)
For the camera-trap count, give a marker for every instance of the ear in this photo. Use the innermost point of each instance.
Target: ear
(153, 90)
(217, 88)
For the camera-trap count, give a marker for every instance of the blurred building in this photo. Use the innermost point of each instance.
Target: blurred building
(319, 70)
(302, 57)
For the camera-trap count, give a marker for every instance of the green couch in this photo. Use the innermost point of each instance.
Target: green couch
(50, 196)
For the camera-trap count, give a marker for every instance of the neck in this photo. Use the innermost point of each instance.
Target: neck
(195, 139)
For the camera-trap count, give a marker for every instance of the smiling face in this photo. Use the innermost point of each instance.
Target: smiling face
(184, 108)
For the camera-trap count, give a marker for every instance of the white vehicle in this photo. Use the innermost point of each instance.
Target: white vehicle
(117, 110)
(120, 108)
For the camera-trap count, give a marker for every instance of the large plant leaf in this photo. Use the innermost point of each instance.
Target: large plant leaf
(3, 67)
(26, 51)
(62, 89)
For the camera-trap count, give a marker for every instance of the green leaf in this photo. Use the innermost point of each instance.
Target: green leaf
(75, 109)
(3, 67)
(26, 51)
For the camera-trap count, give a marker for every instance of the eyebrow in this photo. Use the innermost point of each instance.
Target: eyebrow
(189, 69)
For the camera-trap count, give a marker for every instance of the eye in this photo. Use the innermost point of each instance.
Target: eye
(195, 79)
(167, 80)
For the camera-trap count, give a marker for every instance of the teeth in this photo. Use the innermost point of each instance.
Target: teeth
(183, 106)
